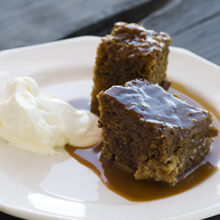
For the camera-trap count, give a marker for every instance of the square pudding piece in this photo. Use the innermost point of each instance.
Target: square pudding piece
(151, 133)
(130, 52)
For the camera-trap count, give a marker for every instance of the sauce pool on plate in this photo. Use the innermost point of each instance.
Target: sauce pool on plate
(124, 184)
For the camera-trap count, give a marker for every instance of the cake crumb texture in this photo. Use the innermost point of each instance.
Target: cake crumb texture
(151, 133)
(129, 52)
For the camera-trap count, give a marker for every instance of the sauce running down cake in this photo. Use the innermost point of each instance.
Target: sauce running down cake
(151, 133)
(130, 52)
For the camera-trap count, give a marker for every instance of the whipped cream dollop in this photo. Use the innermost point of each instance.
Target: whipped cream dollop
(39, 123)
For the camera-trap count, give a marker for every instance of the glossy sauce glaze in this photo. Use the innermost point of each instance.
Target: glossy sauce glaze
(136, 40)
(125, 185)
(164, 108)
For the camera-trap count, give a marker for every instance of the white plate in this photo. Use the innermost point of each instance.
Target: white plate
(35, 187)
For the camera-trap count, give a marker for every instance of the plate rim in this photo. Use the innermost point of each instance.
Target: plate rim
(19, 212)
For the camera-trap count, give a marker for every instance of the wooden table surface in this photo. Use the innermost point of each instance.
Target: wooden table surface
(193, 24)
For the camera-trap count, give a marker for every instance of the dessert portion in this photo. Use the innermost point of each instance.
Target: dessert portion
(130, 52)
(151, 133)
(40, 123)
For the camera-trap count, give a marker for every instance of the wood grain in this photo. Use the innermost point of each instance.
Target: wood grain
(25, 22)
(193, 25)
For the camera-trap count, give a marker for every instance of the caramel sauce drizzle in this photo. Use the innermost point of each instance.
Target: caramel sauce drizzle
(125, 185)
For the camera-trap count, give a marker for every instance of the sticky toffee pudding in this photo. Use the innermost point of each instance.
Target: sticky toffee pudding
(124, 184)
(130, 52)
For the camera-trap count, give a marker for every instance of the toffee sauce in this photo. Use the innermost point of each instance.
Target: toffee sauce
(124, 184)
